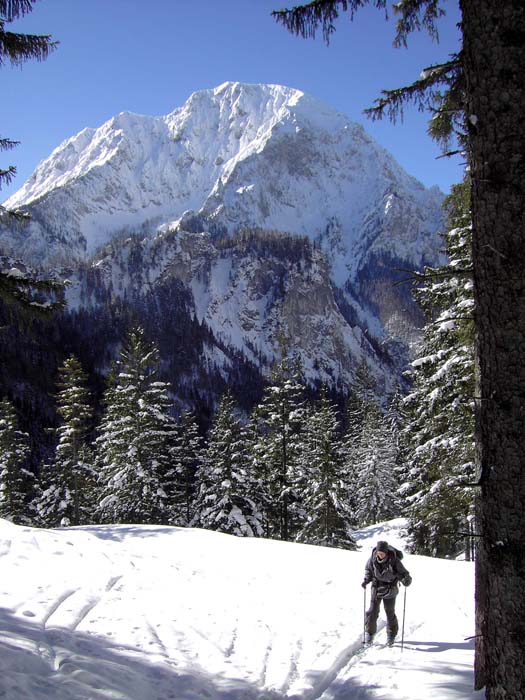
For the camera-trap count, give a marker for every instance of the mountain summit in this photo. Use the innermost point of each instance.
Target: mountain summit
(248, 210)
(238, 156)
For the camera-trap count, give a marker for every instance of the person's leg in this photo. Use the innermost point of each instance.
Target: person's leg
(371, 616)
(392, 623)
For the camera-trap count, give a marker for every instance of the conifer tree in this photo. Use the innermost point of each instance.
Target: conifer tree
(376, 482)
(281, 415)
(260, 469)
(68, 494)
(361, 398)
(396, 418)
(14, 477)
(18, 48)
(19, 285)
(361, 401)
(224, 484)
(180, 480)
(135, 435)
(440, 429)
(325, 492)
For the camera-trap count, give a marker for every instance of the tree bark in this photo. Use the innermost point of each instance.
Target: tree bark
(494, 67)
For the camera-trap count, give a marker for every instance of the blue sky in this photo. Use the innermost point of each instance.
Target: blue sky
(128, 55)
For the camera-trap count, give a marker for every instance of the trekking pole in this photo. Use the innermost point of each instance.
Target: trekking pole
(364, 616)
(403, 628)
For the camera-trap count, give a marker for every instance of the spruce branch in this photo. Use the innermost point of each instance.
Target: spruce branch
(305, 20)
(13, 9)
(22, 47)
(6, 176)
(414, 15)
(414, 18)
(449, 154)
(450, 318)
(7, 144)
(30, 293)
(422, 92)
(420, 277)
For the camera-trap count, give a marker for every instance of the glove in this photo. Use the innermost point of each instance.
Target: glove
(407, 580)
(364, 584)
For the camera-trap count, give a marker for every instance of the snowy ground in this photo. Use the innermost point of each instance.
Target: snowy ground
(158, 613)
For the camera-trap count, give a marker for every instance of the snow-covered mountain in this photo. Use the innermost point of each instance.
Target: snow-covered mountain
(129, 612)
(240, 156)
(257, 159)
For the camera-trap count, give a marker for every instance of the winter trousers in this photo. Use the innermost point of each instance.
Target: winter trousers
(373, 612)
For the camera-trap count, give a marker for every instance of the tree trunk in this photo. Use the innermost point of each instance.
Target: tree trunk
(494, 67)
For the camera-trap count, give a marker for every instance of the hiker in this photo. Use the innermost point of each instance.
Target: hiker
(384, 569)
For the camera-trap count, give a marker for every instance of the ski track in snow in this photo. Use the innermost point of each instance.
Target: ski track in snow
(55, 606)
(117, 620)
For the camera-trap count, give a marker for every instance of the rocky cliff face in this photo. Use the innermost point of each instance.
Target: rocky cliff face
(244, 289)
(268, 208)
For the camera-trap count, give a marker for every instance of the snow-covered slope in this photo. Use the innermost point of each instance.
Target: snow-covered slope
(238, 155)
(153, 613)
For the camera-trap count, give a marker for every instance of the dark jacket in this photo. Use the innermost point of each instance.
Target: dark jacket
(386, 574)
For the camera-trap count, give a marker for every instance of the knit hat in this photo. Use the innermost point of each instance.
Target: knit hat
(382, 546)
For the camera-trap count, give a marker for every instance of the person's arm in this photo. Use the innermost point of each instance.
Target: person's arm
(402, 573)
(369, 574)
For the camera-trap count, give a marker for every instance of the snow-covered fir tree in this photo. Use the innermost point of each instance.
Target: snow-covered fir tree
(68, 494)
(281, 415)
(360, 402)
(325, 491)
(259, 468)
(223, 500)
(440, 431)
(362, 396)
(396, 419)
(376, 484)
(135, 436)
(15, 479)
(180, 479)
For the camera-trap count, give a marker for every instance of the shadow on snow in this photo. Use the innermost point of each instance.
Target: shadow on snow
(118, 533)
(59, 664)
